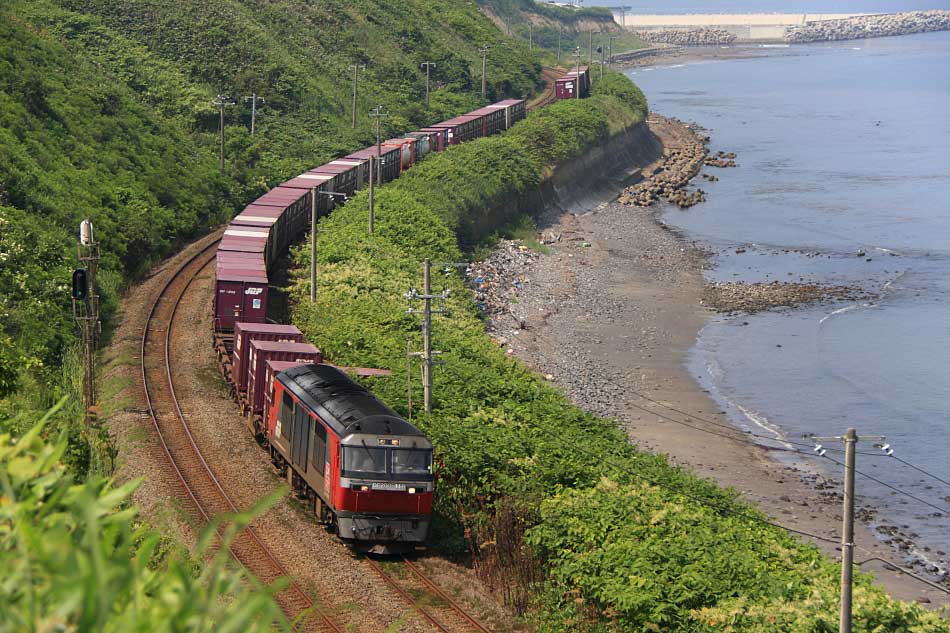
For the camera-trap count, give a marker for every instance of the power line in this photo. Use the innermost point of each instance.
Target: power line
(920, 470)
(894, 488)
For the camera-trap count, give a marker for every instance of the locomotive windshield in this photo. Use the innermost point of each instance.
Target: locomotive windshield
(387, 463)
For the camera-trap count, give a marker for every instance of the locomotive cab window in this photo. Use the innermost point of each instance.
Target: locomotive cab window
(361, 460)
(412, 461)
(286, 415)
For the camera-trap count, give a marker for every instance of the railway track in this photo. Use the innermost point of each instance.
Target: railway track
(435, 607)
(198, 482)
(549, 75)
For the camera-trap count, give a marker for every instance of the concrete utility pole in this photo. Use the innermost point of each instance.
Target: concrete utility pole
(484, 51)
(313, 236)
(577, 72)
(428, 66)
(221, 101)
(610, 49)
(427, 352)
(558, 44)
(602, 49)
(590, 48)
(377, 178)
(850, 439)
(356, 82)
(530, 36)
(254, 99)
(86, 312)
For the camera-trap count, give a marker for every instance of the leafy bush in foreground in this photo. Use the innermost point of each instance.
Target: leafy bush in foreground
(519, 467)
(73, 559)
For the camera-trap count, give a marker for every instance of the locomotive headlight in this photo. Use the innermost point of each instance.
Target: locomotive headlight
(411, 491)
(361, 487)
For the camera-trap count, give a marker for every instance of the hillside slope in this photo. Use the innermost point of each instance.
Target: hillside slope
(107, 114)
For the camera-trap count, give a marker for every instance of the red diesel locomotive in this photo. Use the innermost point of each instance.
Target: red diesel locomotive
(366, 471)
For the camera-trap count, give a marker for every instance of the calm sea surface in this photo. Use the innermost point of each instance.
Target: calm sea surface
(844, 177)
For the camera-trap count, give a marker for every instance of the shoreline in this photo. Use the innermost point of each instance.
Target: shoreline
(609, 316)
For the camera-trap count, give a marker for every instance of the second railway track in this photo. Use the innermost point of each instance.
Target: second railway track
(440, 611)
(199, 484)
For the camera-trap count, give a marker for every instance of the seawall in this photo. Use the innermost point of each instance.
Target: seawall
(606, 167)
(746, 27)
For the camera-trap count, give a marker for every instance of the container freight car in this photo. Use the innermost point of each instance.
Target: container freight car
(364, 469)
(388, 157)
(262, 351)
(440, 137)
(566, 87)
(462, 128)
(493, 120)
(514, 109)
(244, 333)
(240, 295)
(350, 175)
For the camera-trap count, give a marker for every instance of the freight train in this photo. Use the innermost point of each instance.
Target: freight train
(364, 470)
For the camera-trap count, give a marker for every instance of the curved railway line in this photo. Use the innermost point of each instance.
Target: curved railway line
(209, 499)
(198, 482)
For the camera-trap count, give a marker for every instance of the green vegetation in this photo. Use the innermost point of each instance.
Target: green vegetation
(526, 481)
(105, 113)
(74, 558)
(544, 25)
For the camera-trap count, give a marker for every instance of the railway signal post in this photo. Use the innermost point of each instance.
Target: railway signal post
(86, 312)
(221, 101)
(428, 66)
(254, 99)
(850, 439)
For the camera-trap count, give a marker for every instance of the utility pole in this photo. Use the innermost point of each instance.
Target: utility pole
(254, 99)
(427, 352)
(610, 49)
(484, 51)
(428, 66)
(377, 113)
(86, 312)
(530, 36)
(313, 245)
(221, 101)
(602, 49)
(850, 439)
(577, 72)
(559, 44)
(372, 180)
(356, 81)
(590, 48)
(313, 236)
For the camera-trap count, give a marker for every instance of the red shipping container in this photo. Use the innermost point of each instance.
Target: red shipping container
(239, 295)
(263, 351)
(271, 369)
(244, 333)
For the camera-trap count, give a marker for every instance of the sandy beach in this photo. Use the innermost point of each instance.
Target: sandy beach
(609, 313)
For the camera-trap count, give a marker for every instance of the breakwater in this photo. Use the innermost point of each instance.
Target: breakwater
(724, 29)
(859, 27)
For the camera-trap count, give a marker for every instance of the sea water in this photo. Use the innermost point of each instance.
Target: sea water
(843, 178)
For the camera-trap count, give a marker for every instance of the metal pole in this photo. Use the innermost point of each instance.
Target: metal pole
(484, 51)
(356, 81)
(313, 245)
(221, 130)
(847, 531)
(371, 187)
(427, 337)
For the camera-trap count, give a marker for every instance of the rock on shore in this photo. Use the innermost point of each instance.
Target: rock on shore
(860, 27)
(689, 37)
(739, 296)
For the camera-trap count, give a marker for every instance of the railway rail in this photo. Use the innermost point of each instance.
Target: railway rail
(450, 617)
(198, 482)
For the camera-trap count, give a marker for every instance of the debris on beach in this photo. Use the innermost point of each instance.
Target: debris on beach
(742, 297)
(497, 280)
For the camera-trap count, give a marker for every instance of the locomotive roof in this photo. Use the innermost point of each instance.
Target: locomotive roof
(344, 404)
